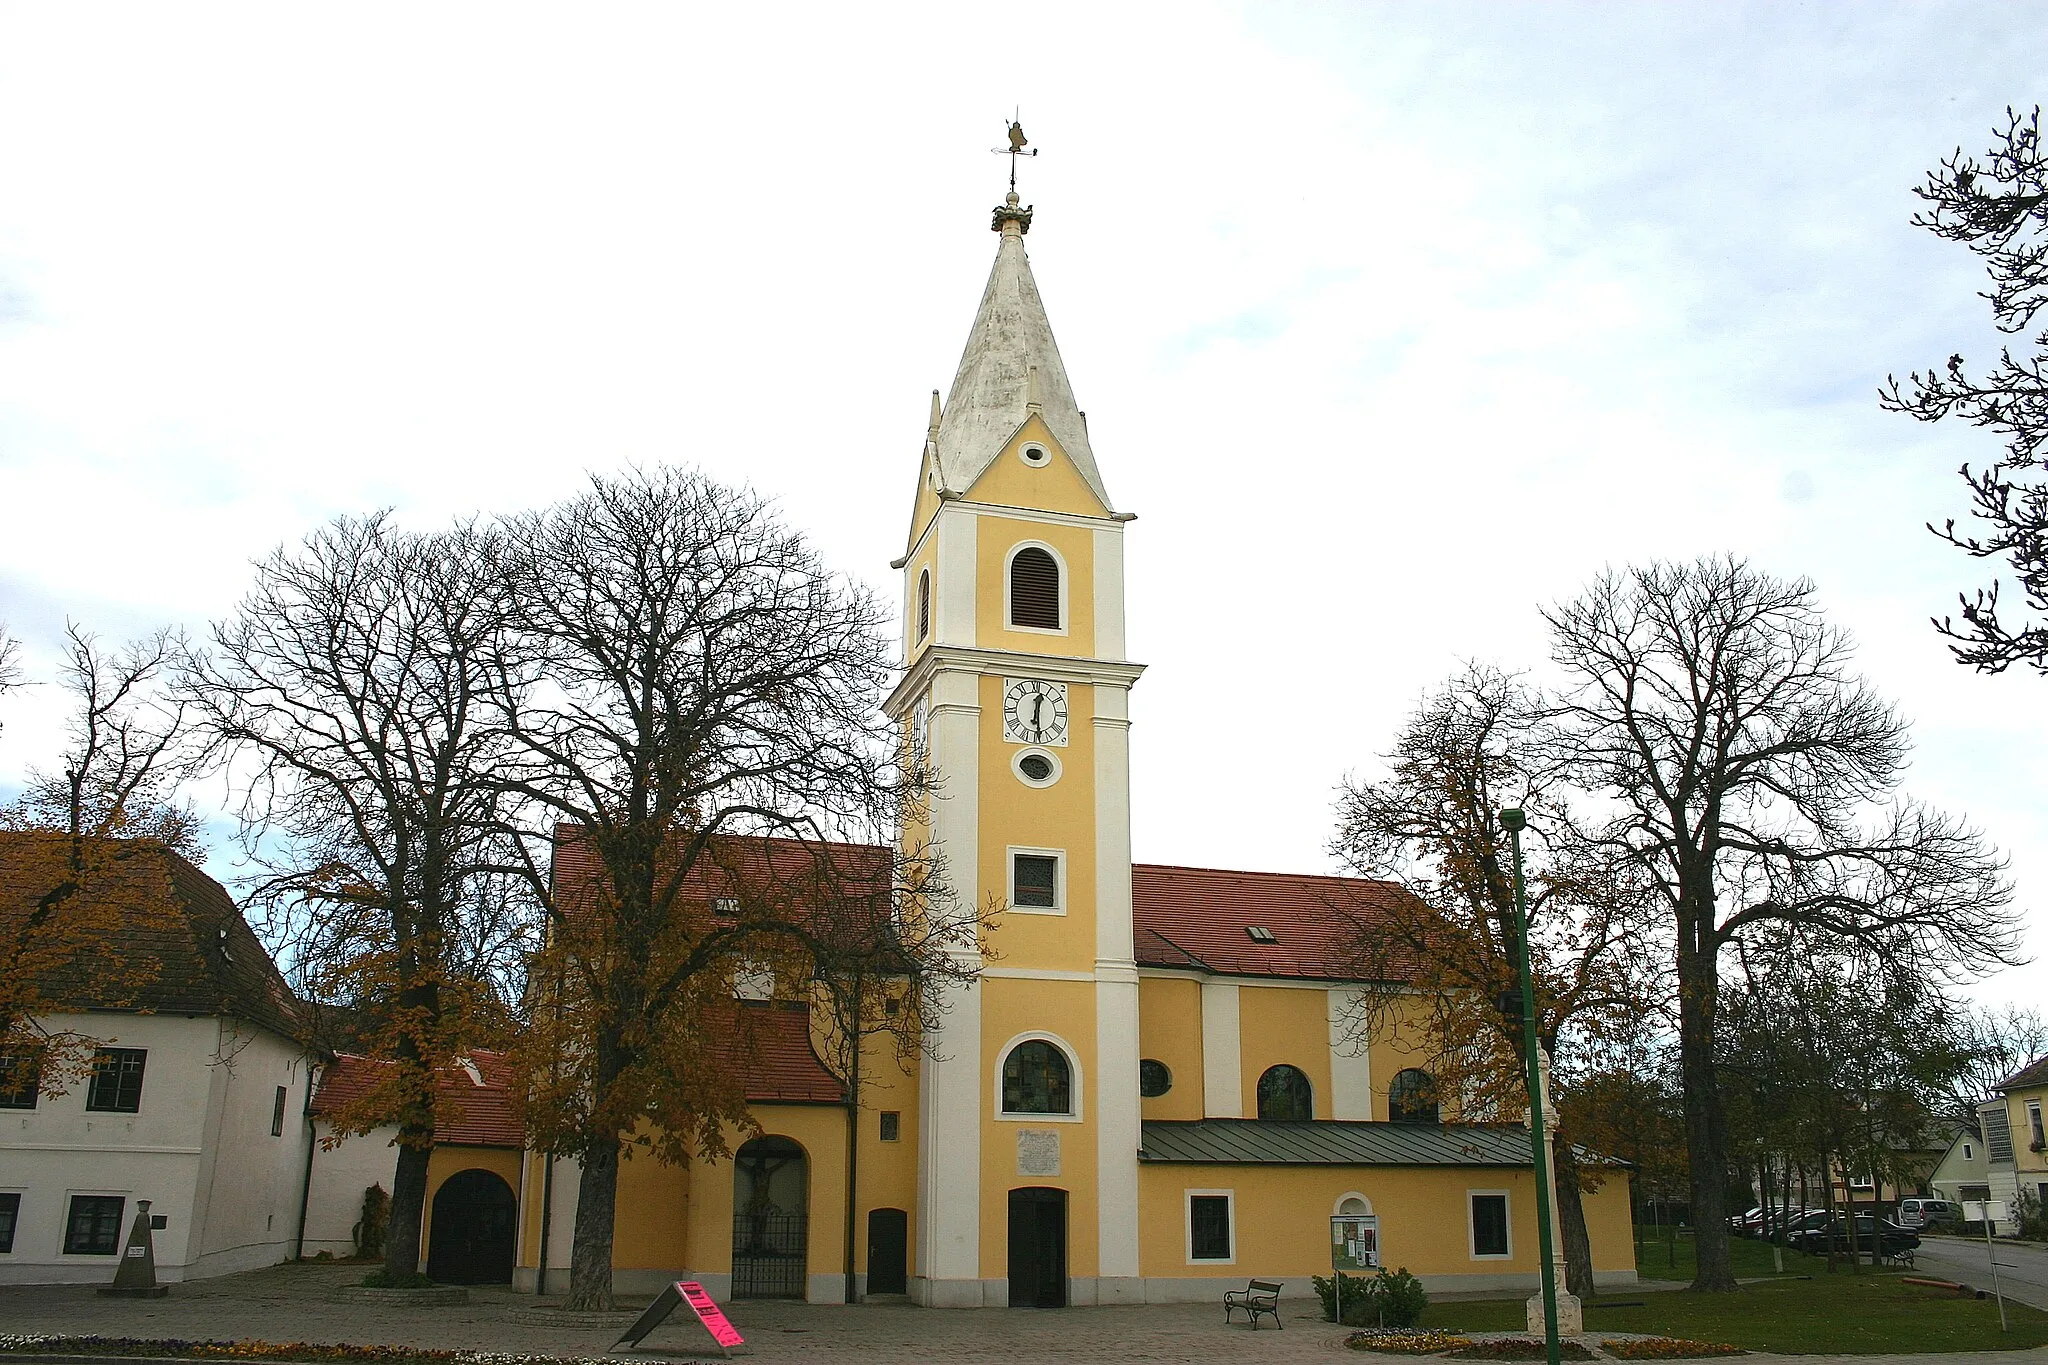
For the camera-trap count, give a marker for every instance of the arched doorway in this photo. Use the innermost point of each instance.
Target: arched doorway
(770, 1219)
(888, 1251)
(476, 1218)
(1038, 1248)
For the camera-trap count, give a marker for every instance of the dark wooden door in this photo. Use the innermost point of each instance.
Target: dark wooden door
(475, 1225)
(1038, 1248)
(888, 1251)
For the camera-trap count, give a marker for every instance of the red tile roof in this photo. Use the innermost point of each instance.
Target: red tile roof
(201, 956)
(772, 1044)
(466, 1113)
(1199, 917)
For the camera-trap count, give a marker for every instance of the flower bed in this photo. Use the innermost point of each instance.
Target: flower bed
(173, 1348)
(1519, 1348)
(1667, 1348)
(1406, 1341)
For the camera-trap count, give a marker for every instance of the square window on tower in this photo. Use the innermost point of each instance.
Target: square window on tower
(1034, 881)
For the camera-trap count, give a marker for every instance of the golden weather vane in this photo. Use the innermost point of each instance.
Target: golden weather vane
(1019, 146)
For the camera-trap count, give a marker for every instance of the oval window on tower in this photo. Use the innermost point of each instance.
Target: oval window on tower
(1154, 1078)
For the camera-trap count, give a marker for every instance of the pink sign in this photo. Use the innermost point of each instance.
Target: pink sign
(710, 1314)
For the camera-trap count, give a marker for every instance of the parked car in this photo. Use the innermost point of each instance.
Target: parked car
(1929, 1213)
(1891, 1238)
(1740, 1221)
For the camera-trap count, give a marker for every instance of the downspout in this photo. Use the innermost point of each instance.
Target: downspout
(312, 1145)
(547, 1220)
(853, 1142)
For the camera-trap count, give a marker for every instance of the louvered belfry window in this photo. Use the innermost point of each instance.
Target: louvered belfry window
(924, 603)
(1035, 589)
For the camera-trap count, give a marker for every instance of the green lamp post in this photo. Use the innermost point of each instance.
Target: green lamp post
(1514, 821)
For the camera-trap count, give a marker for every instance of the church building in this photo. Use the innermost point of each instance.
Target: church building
(1155, 1087)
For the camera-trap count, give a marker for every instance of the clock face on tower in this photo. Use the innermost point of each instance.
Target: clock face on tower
(1034, 711)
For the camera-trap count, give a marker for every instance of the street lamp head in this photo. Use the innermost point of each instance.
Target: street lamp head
(1513, 821)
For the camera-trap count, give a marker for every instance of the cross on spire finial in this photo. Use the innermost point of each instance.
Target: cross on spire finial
(1009, 219)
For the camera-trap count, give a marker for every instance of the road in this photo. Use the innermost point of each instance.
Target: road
(2022, 1269)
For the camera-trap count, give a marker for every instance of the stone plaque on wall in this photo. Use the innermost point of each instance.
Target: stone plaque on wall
(1038, 1151)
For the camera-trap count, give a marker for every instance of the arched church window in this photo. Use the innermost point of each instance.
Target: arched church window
(1285, 1095)
(1034, 589)
(1412, 1097)
(1037, 1080)
(924, 603)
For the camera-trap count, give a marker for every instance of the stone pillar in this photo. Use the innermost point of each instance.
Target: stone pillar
(1571, 1314)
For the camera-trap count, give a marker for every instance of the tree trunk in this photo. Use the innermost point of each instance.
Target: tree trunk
(1706, 1127)
(590, 1252)
(408, 1207)
(1571, 1215)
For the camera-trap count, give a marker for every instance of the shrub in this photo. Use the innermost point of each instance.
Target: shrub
(1520, 1348)
(2031, 1216)
(378, 1279)
(1666, 1348)
(1388, 1299)
(369, 1229)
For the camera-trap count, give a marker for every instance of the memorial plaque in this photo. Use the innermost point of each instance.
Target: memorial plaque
(1038, 1151)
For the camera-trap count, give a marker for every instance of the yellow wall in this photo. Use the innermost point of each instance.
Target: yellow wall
(994, 538)
(1170, 1031)
(1283, 1212)
(1010, 1007)
(1061, 816)
(1280, 1025)
(445, 1161)
(1056, 486)
(1398, 1043)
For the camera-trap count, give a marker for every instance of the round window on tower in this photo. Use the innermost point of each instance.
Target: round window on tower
(1154, 1078)
(1035, 456)
(1036, 767)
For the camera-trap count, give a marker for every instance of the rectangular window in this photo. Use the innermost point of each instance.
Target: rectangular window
(10, 1212)
(277, 1114)
(892, 1125)
(20, 1079)
(1489, 1224)
(94, 1227)
(1034, 881)
(116, 1084)
(2034, 1122)
(1209, 1226)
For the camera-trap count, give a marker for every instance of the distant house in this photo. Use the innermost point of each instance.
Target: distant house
(2016, 1136)
(472, 1212)
(1963, 1171)
(198, 1092)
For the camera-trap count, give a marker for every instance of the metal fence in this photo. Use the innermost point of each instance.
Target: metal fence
(768, 1255)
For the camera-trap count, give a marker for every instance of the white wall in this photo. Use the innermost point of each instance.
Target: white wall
(340, 1176)
(199, 1148)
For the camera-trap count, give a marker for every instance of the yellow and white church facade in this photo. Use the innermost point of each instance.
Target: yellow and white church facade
(1154, 1088)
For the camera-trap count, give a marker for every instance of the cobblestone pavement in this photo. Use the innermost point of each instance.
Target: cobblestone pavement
(292, 1303)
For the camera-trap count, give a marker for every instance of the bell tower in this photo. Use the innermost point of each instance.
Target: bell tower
(1018, 689)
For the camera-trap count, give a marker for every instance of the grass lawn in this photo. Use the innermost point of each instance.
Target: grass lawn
(1657, 1259)
(1840, 1313)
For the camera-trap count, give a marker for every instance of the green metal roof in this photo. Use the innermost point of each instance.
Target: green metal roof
(1255, 1142)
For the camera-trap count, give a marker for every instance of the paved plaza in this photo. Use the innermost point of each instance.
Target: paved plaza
(294, 1303)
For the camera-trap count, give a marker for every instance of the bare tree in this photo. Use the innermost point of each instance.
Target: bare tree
(679, 668)
(1756, 778)
(127, 748)
(1998, 208)
(347, 694)
(1998, 1042)
(1473, 746)
(10, 662)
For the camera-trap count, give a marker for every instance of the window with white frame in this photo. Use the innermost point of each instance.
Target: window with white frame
(1212, 1227)
(115, 1086)
(2034, 1122)
(1037, 1079)
(1038, 881)
(1036, 596)
(1489, 1224)
(924, 604)
(93, 1225)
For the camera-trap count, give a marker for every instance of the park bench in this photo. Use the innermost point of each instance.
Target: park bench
(1260, 1296)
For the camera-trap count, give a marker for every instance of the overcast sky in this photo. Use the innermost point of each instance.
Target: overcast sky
(1392, 322)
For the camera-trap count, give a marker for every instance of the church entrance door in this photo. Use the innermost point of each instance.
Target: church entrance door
(1038, 1248)
(475, 1225)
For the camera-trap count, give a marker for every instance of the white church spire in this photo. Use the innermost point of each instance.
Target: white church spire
(1010, 370)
